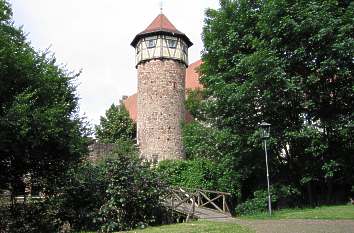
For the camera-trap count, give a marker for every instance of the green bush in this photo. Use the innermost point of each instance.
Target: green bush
(79, 200)
(74, 206)
(259, 202)
(120, 192)
(132, 195)
(28, 218)
(208, 142)
(197, 173)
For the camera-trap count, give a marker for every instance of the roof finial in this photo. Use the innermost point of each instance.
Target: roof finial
(161, 6)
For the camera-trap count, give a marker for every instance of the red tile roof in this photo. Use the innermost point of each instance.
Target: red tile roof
(161, 25)
(192, 76)
(192, 82)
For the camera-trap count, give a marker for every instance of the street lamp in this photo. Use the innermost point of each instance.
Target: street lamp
(265, 132)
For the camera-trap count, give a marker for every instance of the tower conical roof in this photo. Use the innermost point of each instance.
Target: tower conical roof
(161, 25)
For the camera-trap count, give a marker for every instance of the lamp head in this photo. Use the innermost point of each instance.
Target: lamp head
(265, 130)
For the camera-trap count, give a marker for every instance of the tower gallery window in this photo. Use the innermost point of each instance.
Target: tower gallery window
(172, 43)
(150, 42)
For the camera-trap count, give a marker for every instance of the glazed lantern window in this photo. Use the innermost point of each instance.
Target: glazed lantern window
(265, 130)
(172, 43)
(150, 42)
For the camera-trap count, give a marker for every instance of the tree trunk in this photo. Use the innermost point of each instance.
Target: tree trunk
(329, 190)
(309, 192)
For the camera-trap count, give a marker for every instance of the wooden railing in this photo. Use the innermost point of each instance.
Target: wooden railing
(214, 198)
(186, 200)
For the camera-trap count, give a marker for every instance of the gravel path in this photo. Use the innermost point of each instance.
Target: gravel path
(298, 226)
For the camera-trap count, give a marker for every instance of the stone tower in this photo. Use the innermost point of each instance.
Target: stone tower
(161, 61)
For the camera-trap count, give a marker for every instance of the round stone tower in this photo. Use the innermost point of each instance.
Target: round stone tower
(161, 61)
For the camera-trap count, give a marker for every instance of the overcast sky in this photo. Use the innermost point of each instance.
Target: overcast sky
(94, 36)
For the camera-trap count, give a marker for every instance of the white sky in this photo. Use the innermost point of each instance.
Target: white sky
(95, 36)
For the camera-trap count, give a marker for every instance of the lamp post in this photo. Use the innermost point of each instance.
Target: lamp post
(265, 131)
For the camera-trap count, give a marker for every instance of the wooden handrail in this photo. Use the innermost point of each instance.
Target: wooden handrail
(198, 198)
(216, 192)
(204, 190)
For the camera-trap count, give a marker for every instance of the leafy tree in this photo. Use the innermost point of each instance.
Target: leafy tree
(116, 125)
(119, 192)
(194, 103)
(288, 63)
(133, 194)
(198, 173)
(41, 133)
(78, 201)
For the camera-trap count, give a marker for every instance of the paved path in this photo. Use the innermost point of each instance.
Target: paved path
(275, 226)
(298, 226)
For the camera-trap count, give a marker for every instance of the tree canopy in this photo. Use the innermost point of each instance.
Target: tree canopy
(289, 63)
(116, 125)
(41, 133)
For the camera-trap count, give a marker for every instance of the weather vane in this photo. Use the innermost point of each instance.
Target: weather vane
(161, 6)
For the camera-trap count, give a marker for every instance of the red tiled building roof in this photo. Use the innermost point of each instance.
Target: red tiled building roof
(192, 82)
(192, 76)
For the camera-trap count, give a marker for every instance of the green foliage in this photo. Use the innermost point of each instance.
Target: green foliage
(207, 142)
(28, 218)
(194, 103)
(199, 174)
(75, 205)
(118, 193)
(290, 64)
(255, 205)
(190, 174)
(5, 11)
(78, 202)
(41, 133)
(123, 147)
(116, 125)
(259, 202)
(234, 166)
(132, 195)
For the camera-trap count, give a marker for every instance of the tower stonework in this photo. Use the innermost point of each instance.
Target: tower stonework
(161, 61)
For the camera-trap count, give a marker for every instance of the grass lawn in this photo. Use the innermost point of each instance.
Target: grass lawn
(196, 227)
(323, 212)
